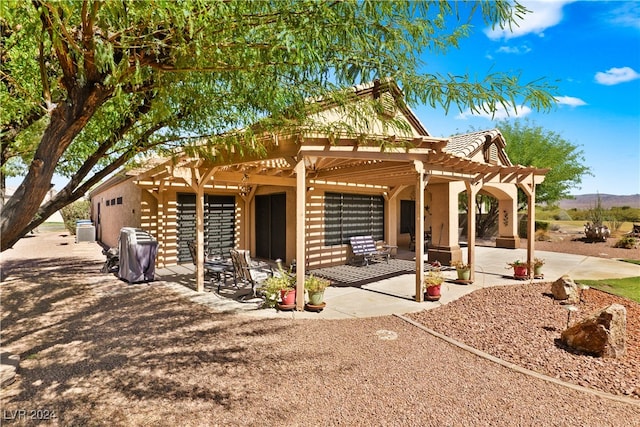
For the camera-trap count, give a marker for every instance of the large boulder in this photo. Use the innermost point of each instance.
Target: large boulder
(565, 289)
(604, 333)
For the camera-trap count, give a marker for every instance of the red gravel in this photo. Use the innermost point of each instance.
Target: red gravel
(522, 324)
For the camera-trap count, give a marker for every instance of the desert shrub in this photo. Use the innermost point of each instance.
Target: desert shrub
(626, 242)
(596, 215)
(625, 213)
(542, 236)
(578, 215)
(73, 212)
(562, 215)
(542, 225)
(614, 222)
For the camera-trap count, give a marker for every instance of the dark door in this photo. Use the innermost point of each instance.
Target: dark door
(271, 226)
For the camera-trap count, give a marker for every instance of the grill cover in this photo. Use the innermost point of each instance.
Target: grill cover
(138, 251)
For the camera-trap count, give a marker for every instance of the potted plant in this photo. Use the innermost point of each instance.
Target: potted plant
(432, 282)
(315, 287)
(537, 268)
(520, 269)
(281, 286)
(462, 270)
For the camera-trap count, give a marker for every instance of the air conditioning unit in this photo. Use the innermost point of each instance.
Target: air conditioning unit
(85, 233)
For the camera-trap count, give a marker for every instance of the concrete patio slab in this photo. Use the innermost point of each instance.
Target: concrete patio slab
(395, 295)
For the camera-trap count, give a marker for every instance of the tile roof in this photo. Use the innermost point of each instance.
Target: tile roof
(468, 143)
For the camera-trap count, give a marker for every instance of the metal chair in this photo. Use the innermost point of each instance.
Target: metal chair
(219, 268)
(249, 271)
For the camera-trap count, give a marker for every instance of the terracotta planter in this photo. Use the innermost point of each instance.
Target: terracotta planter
(520, 271)
(433, 291)
(463, 274)
(288, 296)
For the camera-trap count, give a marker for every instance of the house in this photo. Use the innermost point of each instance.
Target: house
(310, 191)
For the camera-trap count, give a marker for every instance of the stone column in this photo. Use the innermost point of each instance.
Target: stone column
(508, 219)
(445, 246)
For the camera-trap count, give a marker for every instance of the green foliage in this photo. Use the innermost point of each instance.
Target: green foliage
(433, 278)
(316, 284)
(596, 214)
(541, 225)
(628, 287)
(531, 145)
(73, 212)
(100, 83)
(624, 214)
(626, 242)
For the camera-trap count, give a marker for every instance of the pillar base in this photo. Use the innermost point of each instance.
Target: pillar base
(444, 254)
(508, 242)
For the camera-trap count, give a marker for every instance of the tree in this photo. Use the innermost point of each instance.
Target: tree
(89, 86)
(531, 145)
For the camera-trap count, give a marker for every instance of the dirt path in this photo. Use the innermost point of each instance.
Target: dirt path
(96, 351)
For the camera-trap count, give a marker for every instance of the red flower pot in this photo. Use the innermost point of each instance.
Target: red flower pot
(433, 291)
(288, 296)
(520, 270)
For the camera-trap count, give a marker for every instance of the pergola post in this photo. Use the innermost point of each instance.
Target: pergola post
(301, 241)
(530, 191)
(196, 179)
(472, 191)
(200, 238)
(419, 229)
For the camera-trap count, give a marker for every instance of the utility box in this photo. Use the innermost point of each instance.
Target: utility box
(138, 251)
(85, 231)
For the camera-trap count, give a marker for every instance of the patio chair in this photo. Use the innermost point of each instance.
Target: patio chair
(249, 271)
(219, 268)
(364, 247)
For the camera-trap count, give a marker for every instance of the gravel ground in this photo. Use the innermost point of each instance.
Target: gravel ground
(522, 325)
(96, 351)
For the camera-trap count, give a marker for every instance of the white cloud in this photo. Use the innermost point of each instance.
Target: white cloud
(614, 76)
(518, 50)
(541, 15)
(500, 113)
(627, 15)
(570, 100)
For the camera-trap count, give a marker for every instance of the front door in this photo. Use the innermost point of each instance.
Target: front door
(271, 226)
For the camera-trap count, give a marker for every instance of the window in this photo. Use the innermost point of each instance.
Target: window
(119, 200)
(349, 215)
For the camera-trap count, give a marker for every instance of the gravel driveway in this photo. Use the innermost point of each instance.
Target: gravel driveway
(96, 351)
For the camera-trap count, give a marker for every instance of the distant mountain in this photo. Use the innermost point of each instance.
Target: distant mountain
(586, 201)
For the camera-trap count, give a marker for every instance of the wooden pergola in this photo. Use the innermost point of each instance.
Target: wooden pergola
(372, 164)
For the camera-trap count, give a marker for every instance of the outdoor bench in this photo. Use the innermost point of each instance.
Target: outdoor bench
(364, 248)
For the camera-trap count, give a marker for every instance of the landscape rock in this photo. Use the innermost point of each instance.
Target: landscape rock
(8, 367)
(604, 333)
(565, 289)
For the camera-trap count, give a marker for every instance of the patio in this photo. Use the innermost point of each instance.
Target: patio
(383, 289)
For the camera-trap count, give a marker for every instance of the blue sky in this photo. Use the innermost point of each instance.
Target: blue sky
(591, 51)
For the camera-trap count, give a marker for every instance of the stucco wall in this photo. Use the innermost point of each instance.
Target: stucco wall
(118, 206)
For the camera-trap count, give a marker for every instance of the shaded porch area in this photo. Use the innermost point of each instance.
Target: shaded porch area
(376, 290)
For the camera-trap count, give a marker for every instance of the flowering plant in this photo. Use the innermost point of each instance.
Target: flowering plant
(433, 278)
(517, 263)
(459, 265)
